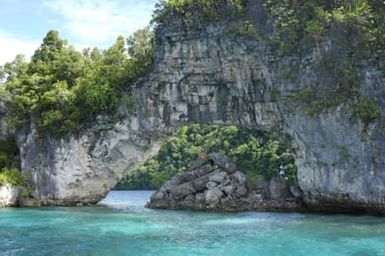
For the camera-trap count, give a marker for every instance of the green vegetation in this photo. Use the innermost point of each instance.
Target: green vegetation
(347, 92)
(10, 163)
(295, 20)
(298, 20)
(9, 153)
(204, 10)
(355, 28)
(367, 110)
(323, 98)
(62, 90)
(247, 30)
(255, 153)
(12, 177)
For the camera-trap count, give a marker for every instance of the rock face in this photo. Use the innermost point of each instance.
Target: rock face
(209, 75)
(80, 171)
(216, 184)
(9, 196)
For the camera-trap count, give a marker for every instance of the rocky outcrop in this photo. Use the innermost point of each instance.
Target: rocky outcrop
(80, 171)
(9, 196)
(210, 75)
(215, 183)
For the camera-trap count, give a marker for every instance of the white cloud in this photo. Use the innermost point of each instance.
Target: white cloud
(97, 22)
(11, 46)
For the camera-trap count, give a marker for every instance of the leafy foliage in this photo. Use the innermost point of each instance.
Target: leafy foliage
(358, 33)
(367, 110)
(9, 153)
(12, 177)
(297, 20)
(247, 30)
(347, 92)
(10, 163)
(357, 29)
(255, 153)
(206, 10)
(63, 89)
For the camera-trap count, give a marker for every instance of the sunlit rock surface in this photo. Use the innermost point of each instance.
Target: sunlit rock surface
(209, 75)
(9, 196)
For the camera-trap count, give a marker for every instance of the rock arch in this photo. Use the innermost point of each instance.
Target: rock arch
(214, 78)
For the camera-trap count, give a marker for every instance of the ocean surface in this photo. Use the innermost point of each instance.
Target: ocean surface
(120, 225)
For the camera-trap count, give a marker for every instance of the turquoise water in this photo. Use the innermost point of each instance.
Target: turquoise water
(122, 226)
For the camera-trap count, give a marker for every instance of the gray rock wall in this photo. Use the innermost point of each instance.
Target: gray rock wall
(209, 75)
(9, 196)
(82, 170)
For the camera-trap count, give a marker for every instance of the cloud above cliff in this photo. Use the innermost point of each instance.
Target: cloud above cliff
(11, 46)
(97, 21)
(84, 23)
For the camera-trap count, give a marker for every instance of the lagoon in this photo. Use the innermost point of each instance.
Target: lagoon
(121, 225)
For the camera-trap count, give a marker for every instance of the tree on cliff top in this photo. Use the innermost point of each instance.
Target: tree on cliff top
(63, 90)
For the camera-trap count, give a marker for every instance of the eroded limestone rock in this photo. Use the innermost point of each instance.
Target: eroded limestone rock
(9, 196)
(223, 189)
(209, 75)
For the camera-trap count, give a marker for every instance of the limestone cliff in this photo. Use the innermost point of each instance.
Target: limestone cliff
(9, 196)
(214, 76)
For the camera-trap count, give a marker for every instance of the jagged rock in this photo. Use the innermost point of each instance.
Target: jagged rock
(229, 189)
(226, 181)
(279, 188)
(262, 187)
(197, 164)
(170, 184)
(200, 183)
(183, 190)
(217, 191)
(223, 162)
(213, 196)
(190, 198)
(241, 178)
(199, 172)
(218, 177)
(240, 191)
(200, 198)
(295, 191)
(187, 176)
(211, 185)
(257, 197)
(159, 195)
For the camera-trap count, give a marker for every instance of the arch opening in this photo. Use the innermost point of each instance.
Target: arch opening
(259, 154)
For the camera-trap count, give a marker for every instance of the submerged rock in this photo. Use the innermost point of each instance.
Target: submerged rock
(215, 183)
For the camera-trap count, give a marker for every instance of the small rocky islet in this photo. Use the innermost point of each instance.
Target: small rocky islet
(215, 184)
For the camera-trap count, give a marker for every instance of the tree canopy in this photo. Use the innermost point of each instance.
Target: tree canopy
(63, 89)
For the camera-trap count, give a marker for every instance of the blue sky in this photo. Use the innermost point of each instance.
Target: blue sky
(84, 23)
